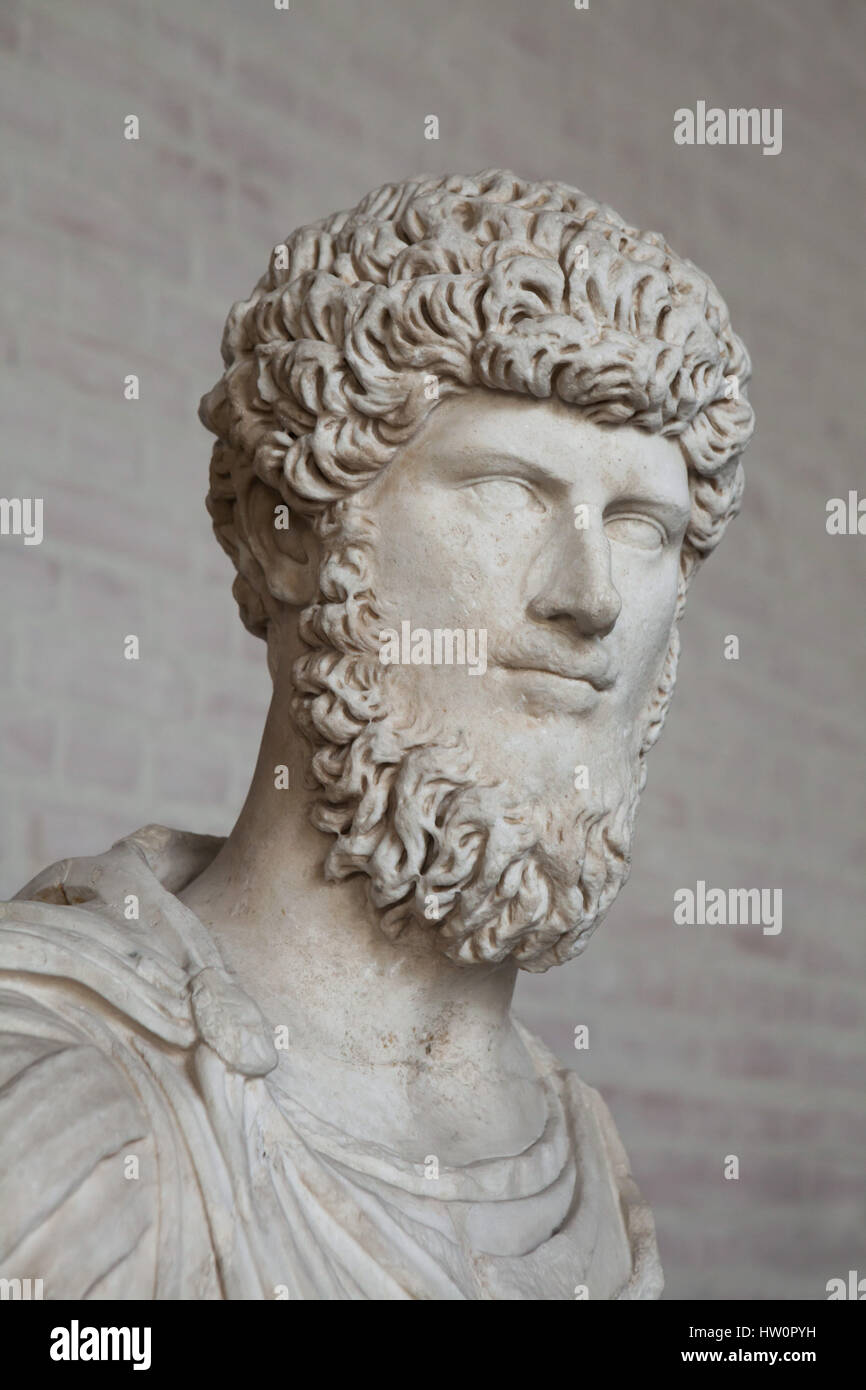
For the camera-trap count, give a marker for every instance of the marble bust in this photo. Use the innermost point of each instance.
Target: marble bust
(473, 439)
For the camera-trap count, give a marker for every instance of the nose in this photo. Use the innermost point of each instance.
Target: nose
(571, 581)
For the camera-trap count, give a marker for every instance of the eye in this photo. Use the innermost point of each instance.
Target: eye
(503, 494)
(639, 531)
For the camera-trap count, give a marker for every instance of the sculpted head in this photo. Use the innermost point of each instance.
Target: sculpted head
(507, 428)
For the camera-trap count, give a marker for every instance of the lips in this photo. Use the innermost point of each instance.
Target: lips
(598, 678)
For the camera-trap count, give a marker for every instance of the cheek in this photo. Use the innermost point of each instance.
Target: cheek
(408, 559)
(437, 567)
(649, 604)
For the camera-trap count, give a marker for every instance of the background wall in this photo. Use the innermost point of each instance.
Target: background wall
(124, 257)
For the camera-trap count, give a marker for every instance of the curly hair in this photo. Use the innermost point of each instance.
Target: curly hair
(485, 280)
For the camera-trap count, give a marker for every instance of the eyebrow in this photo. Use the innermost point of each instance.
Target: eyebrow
(675, 513)
(496, 457)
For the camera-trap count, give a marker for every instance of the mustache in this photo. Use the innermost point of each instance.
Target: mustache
(528, 652)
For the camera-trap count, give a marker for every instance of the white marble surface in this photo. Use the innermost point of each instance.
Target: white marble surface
(473, 407)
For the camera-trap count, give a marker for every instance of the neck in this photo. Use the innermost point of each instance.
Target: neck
(410, 1049)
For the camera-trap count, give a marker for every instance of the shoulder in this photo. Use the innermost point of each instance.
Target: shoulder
(108, 989)
(90, 994)
(106, 924)
(605, 1167)
(76, 1159)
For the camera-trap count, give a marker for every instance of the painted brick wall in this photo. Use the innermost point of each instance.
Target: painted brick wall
(123, 257)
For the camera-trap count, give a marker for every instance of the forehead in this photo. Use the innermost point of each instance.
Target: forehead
(489, 431)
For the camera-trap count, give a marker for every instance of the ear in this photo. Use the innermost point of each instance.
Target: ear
(283, 543)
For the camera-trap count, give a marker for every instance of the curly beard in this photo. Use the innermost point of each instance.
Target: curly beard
(492, 876)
